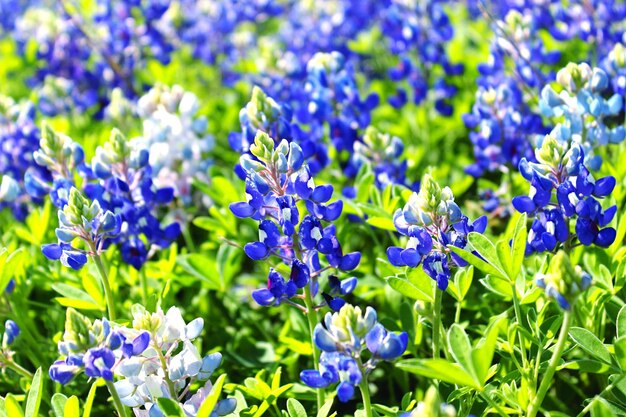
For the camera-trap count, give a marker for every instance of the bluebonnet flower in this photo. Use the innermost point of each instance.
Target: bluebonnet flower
(333, 98)
(19, 138)
(563, 282)
(277, 179)
(86, 221)
(584, 111)
(383, 153)
(418, 34)
(263, 114)
(615, 66)
(176, 139)
(11, 331)
(58, 157)
(90, 55)
(165, 371)
(125, 186)
(503, 126)
(562, 188)
(432, 221)
(93, 347)
(217, 31)
(344, 338)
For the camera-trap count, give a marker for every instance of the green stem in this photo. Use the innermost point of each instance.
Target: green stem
(437, 322)
(365, 394)
(144, 286)
(188, 239)
(119, 407)
(312, 319)
(105, 283)
(556, 355)
(170, 384)
(518, 318)
(607, 390)
(457, 314)
(493, 404)
(19, 369)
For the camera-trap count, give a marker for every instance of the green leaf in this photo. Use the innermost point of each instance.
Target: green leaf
(590, 344)
(384, 223)
(323, 412)
(518, 248)
(72, 407)
(170, 408)
(488, 251)
(295, 408)
(91, 396)
(482, 355)
(58, 404)
(621, 322)
(34, 395)
(439, 369)
(13, 407)
(406, 288)
(474, 260)
(461, 349)
(601, 408)
(209, 402)
(620, 351)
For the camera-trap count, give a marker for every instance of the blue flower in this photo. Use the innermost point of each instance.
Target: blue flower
(98, 363)
(11, 331)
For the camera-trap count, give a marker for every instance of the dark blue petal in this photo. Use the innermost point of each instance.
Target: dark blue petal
(242, 209)
(345, 391)
(256, 250)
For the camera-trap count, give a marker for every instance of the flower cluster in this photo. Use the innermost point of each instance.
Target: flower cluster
(19, 138)
(119, 181)
(168, 366)
(432, 221)
(503, 127)
(344, 338)
(94, 347)
(90, 55)
(563, 189)
(124, 185)
(277, 180)
(563, 282)
(418, 33)
(152, 359)
(383, 153)
(86, 221)
(586, 113)
(333, 98)
(175, 137)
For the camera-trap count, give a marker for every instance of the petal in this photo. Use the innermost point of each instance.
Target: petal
(241, 209)
(394, 253)
(350, 261)
(523, 204)
(52, 251)
(256, 250)
(345, 391)
(263, 297)
(606, 237)
(313, 378)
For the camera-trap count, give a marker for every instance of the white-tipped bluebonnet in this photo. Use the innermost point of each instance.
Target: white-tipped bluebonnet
(277, 178)
(83, 220)
(19, 138)
(563, 282)
(418, 34)
(383, 152)
(432, 221)
(563, 189)
(94, 347)
(583, 110)
(345, 338)
(168, 367)
(176, 138)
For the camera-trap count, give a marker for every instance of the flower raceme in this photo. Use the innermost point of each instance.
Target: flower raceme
(279, 187)
(563, 189)
(432, 221)
(344, 337)
(155, 358)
